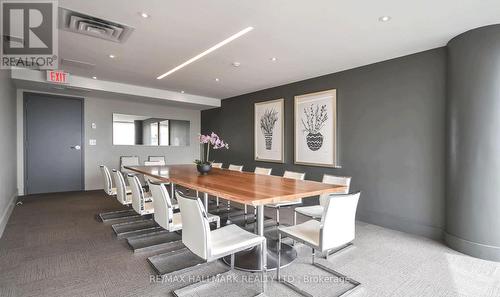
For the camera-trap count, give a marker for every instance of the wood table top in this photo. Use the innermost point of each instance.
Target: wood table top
(243, 187)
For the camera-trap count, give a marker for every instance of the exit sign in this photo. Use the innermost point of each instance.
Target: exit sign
(58, 77)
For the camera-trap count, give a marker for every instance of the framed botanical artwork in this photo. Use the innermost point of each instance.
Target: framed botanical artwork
(268, 131)
(316, 129)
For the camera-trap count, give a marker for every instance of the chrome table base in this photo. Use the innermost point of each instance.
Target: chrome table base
(249, 260)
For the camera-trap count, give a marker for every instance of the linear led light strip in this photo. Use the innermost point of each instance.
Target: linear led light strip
(208, 51)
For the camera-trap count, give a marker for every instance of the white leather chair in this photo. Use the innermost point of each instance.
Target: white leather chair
(153, 163)
(107, 182)
(128, 161)
(232, 167)
(336, 229)
(160, 159)
(164, 208)
(213, 245)
(113, 191)
(123, 193)
(217, 165)
(214, 165)
(140, 202)
(277, 206)
(316, 211)
(261, 171)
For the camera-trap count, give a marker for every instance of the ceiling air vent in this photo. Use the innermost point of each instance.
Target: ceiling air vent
(88, 25)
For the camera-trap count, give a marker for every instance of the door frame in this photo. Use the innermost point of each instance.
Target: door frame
(25, 135)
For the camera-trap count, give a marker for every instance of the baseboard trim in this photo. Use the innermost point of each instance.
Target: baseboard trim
(400, 224)
(7, 212)
(474, 249)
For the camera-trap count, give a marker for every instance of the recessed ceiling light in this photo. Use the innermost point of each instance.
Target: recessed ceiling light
(274, 59)
(183, 92)
(94, 77)
(236, 64)
(384, 18)
(112, 56)
(144, 15)
(217, 80)
(213, 48)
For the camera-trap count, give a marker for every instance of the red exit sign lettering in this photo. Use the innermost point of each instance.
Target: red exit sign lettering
(58, 77)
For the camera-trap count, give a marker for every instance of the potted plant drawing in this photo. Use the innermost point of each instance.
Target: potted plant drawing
(313, 121)
(267, 122)
(206, 141)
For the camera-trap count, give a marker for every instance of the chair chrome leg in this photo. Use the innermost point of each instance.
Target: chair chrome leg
(294, 223)
(281, 280)
(205, 201)
(350, 244)
(278, 268)
(353, 282)
(263, 265)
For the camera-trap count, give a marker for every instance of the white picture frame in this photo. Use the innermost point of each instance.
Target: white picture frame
(315, 129)
(269, 131)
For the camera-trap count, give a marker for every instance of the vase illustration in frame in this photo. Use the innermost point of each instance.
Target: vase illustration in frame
(315, 126)
(269, 131)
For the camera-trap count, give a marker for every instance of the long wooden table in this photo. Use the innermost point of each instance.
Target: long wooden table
(242, 187)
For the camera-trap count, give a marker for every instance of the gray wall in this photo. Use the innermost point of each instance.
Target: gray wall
(100, 111)
(8, 152)
(391, 137)
(473, 159)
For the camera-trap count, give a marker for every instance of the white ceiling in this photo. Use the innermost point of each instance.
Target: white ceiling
(309, 38)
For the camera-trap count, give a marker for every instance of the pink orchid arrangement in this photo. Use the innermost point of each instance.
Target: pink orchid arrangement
(213, 140)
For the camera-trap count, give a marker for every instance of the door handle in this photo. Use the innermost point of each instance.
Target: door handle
(76, 147)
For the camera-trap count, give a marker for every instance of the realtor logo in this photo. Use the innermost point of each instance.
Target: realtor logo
(29, 34)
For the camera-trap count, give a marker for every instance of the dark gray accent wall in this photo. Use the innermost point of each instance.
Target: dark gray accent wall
(391, 137)
(8, 151)
(473, 151)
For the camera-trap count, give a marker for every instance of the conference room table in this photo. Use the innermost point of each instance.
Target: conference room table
(244, 188)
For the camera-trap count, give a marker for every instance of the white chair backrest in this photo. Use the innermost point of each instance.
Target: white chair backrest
(294, 175)
(263, 171)
(335, 180)
(164, 210)
(121, 187)
(106, 176)
(196, 230)
(160, 159)
(235, 167)
(137, 193)
(338, 220)
(216, 165)
(128, 161)
(153, 163)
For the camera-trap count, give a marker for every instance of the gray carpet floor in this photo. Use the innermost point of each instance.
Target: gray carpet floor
(54, 246)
